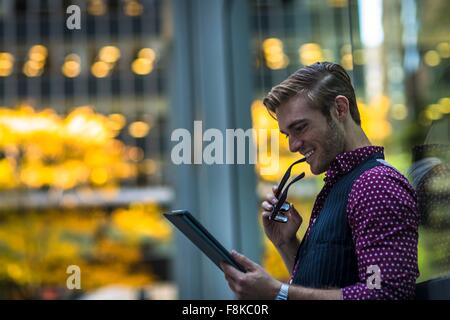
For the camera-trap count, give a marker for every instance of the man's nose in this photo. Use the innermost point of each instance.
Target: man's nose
(295, 144)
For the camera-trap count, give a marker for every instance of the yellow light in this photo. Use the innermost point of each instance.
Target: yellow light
(274, 54)
(375, 118)
(310, 53)
(432, 112)
(276, 63)
(260, 116)
(271, 42)
(147, 53)
(71, 67)
(135, 154)
(432, 58)
(109, 54)
(15, 272)
(142, 221)
(347, 61)
(6, 64)
(445, 103)
(444, 49)
(38, 53)
(6, 56)
(100, 69)
(32, 176)
(138, 129)
(45, 135)
(399, 111)
(118, 121)
(97, 7)
(99, 176)
(32, 69)
(5, 72)
(35, 64)
(133, 8)
(142, 66)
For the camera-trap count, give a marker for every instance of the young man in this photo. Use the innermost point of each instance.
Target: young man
(361, 242)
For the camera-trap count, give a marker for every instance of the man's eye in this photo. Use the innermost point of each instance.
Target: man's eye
(301, 128)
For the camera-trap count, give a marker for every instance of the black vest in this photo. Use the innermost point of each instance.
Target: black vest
(327, 257)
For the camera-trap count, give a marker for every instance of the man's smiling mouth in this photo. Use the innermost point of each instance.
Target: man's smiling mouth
(309, 153)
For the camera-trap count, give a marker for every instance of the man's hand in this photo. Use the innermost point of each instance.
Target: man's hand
(256, 283)
(280, 233)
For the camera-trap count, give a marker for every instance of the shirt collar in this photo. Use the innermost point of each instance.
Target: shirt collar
(347, 161)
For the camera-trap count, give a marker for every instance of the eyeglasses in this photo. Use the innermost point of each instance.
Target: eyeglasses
(282, 205)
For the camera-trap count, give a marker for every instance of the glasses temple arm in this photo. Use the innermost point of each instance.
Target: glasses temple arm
(286, 177)
(283, 196)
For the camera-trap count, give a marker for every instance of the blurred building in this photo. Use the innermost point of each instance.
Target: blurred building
(84, 119)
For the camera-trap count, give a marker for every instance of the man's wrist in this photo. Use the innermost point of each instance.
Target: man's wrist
(292, 243)
(283, 293)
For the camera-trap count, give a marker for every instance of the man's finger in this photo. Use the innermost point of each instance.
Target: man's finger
(270, 198)
(244, 261)
(266, 206)
(231, 272)
(266, 214)
(231, 282)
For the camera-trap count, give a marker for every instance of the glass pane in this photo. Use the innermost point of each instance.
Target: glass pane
(401, 57)
(397, 54)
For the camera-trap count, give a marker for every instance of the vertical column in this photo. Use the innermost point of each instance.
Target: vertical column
(211, 82)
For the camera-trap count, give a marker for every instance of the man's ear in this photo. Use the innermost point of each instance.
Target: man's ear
(342, 107)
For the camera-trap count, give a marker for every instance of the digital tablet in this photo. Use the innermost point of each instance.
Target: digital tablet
(194, 231)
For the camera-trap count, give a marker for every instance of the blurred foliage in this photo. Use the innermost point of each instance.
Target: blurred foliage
(42, 149)
(37, 246)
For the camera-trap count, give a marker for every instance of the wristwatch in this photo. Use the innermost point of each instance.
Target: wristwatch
(283, 293)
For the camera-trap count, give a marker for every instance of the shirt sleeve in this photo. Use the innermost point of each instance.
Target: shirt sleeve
(382, 213)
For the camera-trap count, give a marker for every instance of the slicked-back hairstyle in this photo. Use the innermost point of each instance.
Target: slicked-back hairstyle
(319, 83)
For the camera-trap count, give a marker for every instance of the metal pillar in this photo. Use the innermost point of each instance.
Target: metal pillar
(211, 81)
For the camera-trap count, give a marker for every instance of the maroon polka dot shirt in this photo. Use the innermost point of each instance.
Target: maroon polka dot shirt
(383, 217)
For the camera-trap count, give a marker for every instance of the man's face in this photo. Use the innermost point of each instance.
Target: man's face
(310, 133)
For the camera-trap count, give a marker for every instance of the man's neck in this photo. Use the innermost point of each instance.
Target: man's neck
(357, 139)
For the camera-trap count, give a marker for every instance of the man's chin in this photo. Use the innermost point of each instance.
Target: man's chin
(316, 170)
